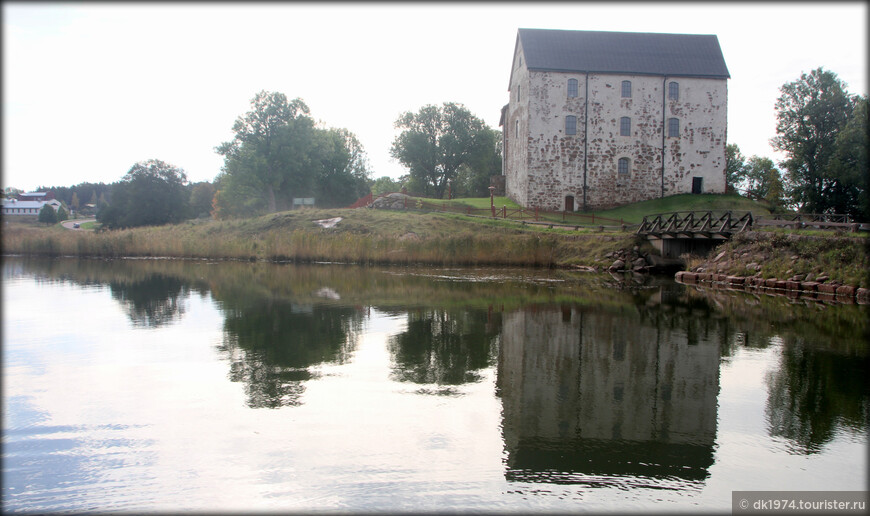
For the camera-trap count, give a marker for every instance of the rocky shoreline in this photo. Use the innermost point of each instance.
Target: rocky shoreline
(819, 290)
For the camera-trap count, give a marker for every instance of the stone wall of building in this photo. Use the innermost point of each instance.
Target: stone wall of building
(515, 149)
(544, 166)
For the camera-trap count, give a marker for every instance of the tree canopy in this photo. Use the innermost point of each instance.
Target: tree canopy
(811, 113)
(152, 193)
(436, 142)
(734, 165)
(278, 153)
(47, 214)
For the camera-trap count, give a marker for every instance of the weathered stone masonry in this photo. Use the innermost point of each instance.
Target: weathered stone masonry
(548, 168)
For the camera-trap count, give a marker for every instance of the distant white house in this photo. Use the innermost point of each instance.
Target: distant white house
(14, 207)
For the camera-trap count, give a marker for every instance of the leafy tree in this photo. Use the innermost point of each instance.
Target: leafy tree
(152, 193)
(436, 141)
(266, 155)
(47, 214)
(734, 167)
(385, 185)
(762, 181)
(279, 154)
(810, 114)
(61, 214)
(11, 192)
(342, 168)
(473, 178)
(201, 196)
(850, 164)
(74, 202)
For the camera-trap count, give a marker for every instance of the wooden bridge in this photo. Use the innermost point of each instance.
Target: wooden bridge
(692, 231)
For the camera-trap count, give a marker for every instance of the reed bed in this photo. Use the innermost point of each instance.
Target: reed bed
(364, 238)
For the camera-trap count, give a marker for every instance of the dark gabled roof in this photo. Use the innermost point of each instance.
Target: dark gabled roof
(693, 55)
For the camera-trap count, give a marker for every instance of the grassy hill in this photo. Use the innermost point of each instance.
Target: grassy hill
(634, 213)
(366, 236)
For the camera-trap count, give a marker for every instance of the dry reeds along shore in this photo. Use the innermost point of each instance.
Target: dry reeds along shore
(362, 236)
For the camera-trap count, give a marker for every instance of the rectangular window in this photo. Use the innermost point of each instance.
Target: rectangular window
(674, 91)
(570, 124)
(625, 126)
(572, 88)
(673, 127)
(626, 89)
(517, 128)
(623, 167)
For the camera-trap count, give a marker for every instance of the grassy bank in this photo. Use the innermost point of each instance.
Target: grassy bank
(367, 236)
(791, 255)
(363, 236)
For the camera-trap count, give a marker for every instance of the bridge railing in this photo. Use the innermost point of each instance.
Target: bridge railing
(699, 222)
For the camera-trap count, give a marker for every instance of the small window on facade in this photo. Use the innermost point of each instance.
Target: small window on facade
(622, 168)
(673, 127)
(517, 128)
(674, 91)
(626, 89)
(570, 124)
(572, 88)
(625, 126)
(518, 92)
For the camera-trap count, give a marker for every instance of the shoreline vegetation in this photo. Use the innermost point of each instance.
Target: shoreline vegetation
(386, 237)
(362, 236)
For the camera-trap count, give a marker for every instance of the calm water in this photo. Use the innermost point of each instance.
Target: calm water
(150, 385)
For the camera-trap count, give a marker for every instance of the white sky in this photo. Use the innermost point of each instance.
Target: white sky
(89, 89)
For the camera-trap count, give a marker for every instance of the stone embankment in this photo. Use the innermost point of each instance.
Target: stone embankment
(819, 288)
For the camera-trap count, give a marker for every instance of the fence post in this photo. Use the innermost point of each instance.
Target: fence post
(503, 211)
(593, 217)
(536, 213)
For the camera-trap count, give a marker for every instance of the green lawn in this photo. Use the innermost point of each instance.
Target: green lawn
(633, 213)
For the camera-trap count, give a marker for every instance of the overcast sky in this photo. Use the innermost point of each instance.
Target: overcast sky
(89, 89)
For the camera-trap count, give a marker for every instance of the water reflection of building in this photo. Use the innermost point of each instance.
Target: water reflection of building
(588, 393)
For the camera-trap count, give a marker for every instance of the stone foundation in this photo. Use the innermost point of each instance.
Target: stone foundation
(798, 289)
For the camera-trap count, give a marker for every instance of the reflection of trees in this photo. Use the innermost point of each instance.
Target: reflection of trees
(271, 345)
(813, 392)
(153, 301)
(443, 347)
(588, 392)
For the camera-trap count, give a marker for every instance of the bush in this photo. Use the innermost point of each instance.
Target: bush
(47, 214)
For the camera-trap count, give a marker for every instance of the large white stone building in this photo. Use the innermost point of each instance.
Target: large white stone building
(601, 119)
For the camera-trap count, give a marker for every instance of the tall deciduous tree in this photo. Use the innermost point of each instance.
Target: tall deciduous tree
(278, 154)
(762, 181)
(734, 167)
(201, 195)
(810, 113)
(152, 193)
(850, 164)
(436, 141)
(264, 156)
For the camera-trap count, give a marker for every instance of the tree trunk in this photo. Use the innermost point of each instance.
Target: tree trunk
(270, 198)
